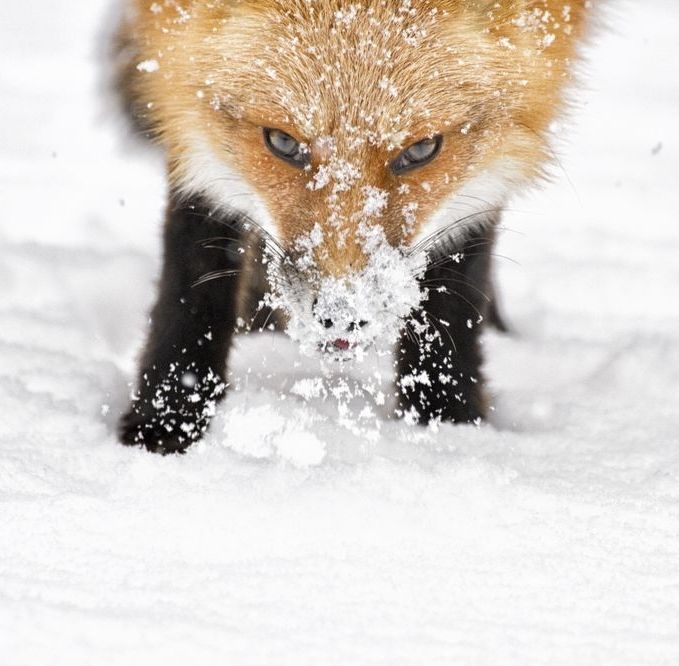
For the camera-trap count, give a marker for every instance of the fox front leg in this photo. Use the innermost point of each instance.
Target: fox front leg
(439, 356)
(182, 371)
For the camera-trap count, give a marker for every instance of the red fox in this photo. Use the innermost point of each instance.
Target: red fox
(339, 166)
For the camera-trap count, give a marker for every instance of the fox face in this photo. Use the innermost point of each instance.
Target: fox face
(355, 135)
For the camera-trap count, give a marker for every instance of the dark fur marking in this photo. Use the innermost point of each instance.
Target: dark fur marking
(183, 367)
(441, 378)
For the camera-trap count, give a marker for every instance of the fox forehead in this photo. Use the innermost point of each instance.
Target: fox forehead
(377, 72)
(382, 71)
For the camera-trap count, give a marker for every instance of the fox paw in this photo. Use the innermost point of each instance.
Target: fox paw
(159, 433)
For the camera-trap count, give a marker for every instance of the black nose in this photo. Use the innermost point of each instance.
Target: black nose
(328, 323)
(351, 328)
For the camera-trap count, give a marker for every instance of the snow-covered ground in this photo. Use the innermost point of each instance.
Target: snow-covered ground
(298, 533)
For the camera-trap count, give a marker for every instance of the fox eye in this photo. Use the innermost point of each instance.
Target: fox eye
(417, 155)
(286, 147)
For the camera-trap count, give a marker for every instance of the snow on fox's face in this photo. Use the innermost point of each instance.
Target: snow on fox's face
(343, 315)
(326, 120)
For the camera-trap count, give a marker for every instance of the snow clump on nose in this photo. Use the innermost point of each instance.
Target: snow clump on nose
(366, 308)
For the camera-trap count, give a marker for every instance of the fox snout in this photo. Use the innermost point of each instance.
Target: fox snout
(363, 306)
(343, 320)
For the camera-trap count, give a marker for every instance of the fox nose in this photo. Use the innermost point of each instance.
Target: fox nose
(353, 326)
(327, 322)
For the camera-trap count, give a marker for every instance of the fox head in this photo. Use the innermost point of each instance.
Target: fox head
(348, 132)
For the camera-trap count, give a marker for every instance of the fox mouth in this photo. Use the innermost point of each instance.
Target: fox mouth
(341, 344)
(345, 351)
(339, 348)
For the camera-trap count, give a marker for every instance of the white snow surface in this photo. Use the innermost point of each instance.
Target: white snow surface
(308, 529)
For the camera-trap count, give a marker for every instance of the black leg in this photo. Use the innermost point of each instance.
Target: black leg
(182, 371)
(439, 362)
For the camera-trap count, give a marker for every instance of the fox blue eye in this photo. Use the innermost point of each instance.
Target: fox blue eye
(417, 155)
(286, 147)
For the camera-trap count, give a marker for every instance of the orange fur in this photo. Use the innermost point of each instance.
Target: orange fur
(358, 82)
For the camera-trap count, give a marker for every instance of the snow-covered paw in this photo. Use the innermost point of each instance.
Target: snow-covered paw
(173, 408)
(160, 433)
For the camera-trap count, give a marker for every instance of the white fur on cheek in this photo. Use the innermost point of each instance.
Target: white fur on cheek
(475, 202)
(204, 173)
